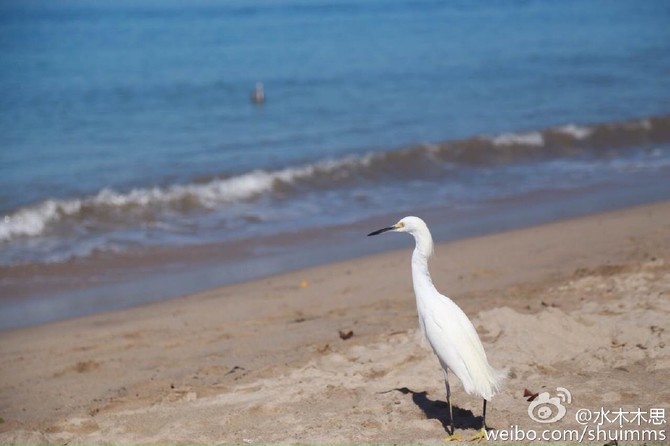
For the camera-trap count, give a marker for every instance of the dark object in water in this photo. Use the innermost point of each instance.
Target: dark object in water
(258, 95)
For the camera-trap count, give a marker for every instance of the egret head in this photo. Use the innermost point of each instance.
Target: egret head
(416, 227)
(412, 225)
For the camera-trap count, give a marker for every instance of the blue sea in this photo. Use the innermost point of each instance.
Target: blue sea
(127, 126)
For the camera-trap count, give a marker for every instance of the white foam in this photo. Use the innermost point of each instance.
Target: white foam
(526, 139)
(34, 220)
(576, 131)
(207, 194)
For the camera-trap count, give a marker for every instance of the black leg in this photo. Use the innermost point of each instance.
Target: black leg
(481, 435)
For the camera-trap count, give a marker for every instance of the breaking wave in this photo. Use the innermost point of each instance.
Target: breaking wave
(110, 207)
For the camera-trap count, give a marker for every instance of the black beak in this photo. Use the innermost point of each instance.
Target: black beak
(379, 231)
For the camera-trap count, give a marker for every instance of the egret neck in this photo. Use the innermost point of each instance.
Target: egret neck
(422, 251)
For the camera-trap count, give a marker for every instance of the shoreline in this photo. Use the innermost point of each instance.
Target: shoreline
(262, 361)
(42, 293)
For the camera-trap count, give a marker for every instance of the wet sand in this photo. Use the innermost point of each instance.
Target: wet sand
(581, 304)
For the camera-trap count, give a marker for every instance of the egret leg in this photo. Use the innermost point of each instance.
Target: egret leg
(452, 435)
(482, 433)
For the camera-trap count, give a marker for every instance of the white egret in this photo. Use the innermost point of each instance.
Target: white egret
(448, 330)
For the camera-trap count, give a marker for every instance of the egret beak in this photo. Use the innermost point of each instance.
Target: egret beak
(380, 231)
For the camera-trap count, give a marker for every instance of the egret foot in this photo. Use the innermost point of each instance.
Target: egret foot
(481, 435)
(452, 437)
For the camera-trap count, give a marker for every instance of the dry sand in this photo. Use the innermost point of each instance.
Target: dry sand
(581, 304)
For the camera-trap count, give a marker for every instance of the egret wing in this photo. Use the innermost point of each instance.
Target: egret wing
(456, 343)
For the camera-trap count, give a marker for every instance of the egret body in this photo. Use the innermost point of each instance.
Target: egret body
(445, 326)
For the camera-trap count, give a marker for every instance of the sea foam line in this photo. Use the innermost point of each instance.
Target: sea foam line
(33, 220)
(576, 131)
(525, 139)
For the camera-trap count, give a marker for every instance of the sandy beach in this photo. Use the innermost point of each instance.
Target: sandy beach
(581, 304)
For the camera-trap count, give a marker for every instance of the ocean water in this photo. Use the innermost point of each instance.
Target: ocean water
(127, 125)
